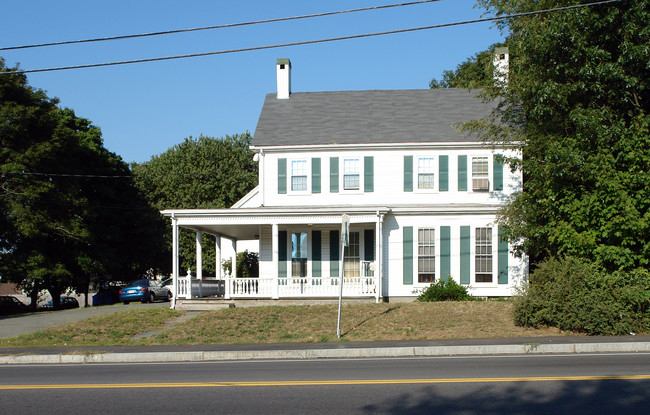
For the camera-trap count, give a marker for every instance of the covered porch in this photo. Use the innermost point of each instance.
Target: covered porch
(300, 252)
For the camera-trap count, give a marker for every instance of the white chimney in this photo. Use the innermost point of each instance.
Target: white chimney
(284, 78)
(501, 64)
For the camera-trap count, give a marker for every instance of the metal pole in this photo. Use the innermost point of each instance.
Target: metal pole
(345, 229)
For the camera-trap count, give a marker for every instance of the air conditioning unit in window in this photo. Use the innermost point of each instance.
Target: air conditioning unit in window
(480, 185)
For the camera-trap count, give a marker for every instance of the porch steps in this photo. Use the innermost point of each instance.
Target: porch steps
(207, 304)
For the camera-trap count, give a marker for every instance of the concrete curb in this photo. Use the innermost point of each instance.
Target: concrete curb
(416, 351)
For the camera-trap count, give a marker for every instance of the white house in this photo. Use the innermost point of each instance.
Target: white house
(421, 198)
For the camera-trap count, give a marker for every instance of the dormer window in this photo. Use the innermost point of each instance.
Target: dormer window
(351, 174)
(298, 175)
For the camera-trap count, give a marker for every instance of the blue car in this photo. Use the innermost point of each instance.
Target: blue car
(144, 290)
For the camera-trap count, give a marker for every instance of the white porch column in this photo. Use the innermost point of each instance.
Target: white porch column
(175, 267)
(378, 267)
(233, 275)
(199, 255)
(217, 258)
(275, 255)
(226, 283)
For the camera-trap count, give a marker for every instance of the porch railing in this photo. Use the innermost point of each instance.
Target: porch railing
(291, 287)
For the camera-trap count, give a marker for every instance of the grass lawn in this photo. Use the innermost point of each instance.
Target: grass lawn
(273, 324)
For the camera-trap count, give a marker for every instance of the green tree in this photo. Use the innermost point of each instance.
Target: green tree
(63, 220)
(475, 72)
(576, 106)
(199, 173)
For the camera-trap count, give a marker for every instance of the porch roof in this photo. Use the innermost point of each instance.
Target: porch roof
(244, 223)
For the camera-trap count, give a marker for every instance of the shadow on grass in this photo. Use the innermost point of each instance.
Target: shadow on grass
(388, 310)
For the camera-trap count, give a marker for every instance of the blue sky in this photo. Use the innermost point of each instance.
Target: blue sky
(144, 109)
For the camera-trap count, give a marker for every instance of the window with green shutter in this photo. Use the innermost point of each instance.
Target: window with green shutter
(445, 252)
(502, 259)
(334, 174)
(407, 255)
(443, 166)
(316, 255)
(462, 174)
(282, 254)
(408, 173)
(315, 175)
(282, 176)
(368, 174)
(465, 256)
(334, 253)
(497, 168)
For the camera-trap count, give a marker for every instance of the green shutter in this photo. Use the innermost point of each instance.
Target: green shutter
(334, 253)
(443, 167)
(407, 256)
(503, 259)
(369, 245)
(462, 174)
(498, 172)
(445, 252)
(408, 173)
(368, 174)
(282, 254)
(316, 254)
(282, 176)
(465, 257)
(334, 174)
(315, 175)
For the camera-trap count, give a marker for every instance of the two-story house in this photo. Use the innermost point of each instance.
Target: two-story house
(421, 198)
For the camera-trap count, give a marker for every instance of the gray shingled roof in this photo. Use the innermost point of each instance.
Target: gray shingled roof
(367, 117)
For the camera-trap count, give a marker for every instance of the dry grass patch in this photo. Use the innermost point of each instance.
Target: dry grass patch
(360, 322)
(106, 330)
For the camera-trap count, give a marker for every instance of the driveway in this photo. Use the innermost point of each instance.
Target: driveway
(11, 326)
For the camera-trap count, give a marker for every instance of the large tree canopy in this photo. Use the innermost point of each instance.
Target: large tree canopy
(577, 107)
(199, 173)
(476, 72)
(68, 210)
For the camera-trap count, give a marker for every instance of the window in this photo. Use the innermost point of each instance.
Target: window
(480, 174)
(298, 175)
(426, 255)
(483, 255)
(351, 174)
(425, 173)
(351, 257)
(299, 254)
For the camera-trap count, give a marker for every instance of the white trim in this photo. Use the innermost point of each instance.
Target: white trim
(456, 145)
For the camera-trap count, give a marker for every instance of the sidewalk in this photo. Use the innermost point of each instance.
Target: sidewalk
(419, 348)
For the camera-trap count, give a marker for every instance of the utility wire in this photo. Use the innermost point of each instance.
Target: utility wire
(309, 42)
(196, 29)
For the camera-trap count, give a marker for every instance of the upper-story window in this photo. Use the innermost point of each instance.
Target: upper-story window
(426, 173)
(298, 175)
(480, 181)
(351, 174)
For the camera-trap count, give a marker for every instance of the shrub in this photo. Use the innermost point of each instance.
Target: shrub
(247, 265)
(577, 295)
(445, 290)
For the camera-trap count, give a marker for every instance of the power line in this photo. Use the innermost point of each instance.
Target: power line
(309, 42)
(224, 26)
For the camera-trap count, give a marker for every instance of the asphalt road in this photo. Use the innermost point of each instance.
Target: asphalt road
(14, 325)
(571, 384)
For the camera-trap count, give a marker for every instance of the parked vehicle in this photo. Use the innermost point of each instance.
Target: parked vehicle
(169, 284)
(11, 305)
(66, 304)
(144, 290)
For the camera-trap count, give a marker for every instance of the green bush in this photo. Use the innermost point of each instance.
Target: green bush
(248, 265)
(577, 295)
(445, 290)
